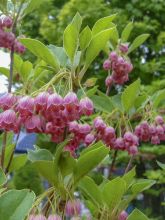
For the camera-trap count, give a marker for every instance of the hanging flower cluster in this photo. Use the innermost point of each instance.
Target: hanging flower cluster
(7, 38)
(59, 117)
(119, 65)
(46, 113)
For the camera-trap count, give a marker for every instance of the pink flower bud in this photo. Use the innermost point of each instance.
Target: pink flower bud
(86, 106)
(155, 139)
(109, 81)
(7, 22)
(159, 120)
(107, 65)
(40, 217)
(71, 102)
(133, 150)
(54, 217)
(84, 128)
(119, 144)
(123, 215)
(99, 124)
(73, 127)
(109, 132)
(73, 208)
(113, 56)
(89, 138)
(123, 48)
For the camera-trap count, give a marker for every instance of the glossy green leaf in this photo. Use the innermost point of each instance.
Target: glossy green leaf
(46, 169)
(103, 24)
(40, 154)
(18, 162)
(3, 178)
(113, 198)
(97, 44)
(129, 95)
(5, 71)
(16, 204)
(41, 51)
(128, 177)
(126, 32)
(142, 185)
(89, 161)
(60, 53)
(91, 190)
(8, 153)
(85, 37)
(33, 4)
(71, 37)
(92, 147)
(137, 215)
(17, 63)
(162, 165)
(102, 103)
(66, 163)
(26, 69)
(158, 97)
(138, 41)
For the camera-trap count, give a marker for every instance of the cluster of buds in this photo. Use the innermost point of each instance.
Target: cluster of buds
(73, 208)
(154, 132)
(46, 113)
(120, 67)
(123, 215)
(7, 38)
(42, 217)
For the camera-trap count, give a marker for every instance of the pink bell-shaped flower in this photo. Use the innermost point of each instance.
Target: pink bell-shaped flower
(86, 106)
(7, 101)
(34, 124)
(26, 106)
(55, 102)
(89, 138)
(41, 101)
(8, 120)
(73, 208)
(123, 215)
(71, 102)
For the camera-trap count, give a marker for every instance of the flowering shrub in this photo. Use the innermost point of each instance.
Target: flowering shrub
(84, 125)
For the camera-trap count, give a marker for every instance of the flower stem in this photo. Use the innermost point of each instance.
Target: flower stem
(129, 164)
(112, 164)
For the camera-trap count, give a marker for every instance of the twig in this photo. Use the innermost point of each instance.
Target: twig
(129, 164)
(112, 164)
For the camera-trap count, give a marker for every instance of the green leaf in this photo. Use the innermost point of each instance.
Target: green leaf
(70, 37)
(3, 5)
(137, 215)
(46, 169)
(5, 71)
(142, 185)
(60, 53)
(103, 24)
(16, 204)
(66, 163)
(162, 165)
(129, 95)
(126, 32)
(89, 161)
(113, 199)
(18, 162)
(97, 44)
(91, 190)
(77, 21)
(138, 41)
(39, 154)
(102, 103)
(8, 153)
(85, 37)
(3, 178)
(92, 147)
(17, 63)
(128, 177)
(26, 69)
(158, 97)
(33, 4)
(41, 51)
